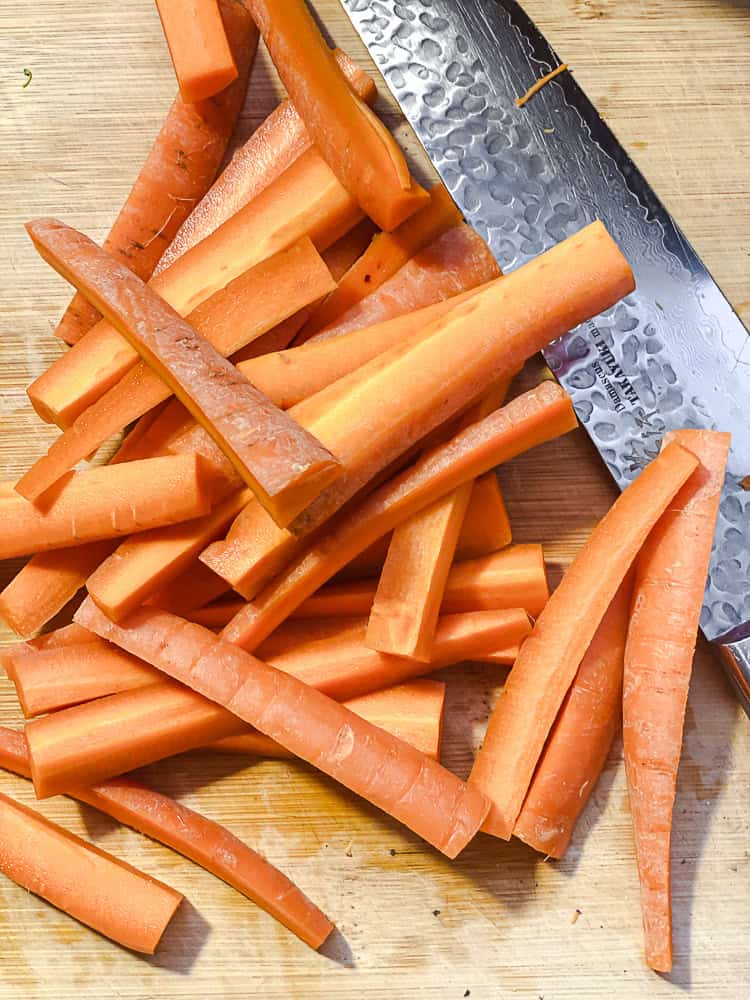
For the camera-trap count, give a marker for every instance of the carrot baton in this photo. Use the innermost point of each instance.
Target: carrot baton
(198, 46)
(577, 748)
(90, 885)
(194, 588)
(179, 169)
(670, 580)
(195, 837)
(546, 666)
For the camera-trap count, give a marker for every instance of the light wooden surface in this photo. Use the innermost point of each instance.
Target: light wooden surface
(672, 79)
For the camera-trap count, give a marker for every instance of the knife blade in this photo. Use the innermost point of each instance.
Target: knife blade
(674, 354)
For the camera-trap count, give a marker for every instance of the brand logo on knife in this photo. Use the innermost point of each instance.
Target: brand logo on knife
(616, 384)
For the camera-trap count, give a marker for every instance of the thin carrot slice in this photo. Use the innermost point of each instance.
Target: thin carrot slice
(281, 462)
(306, 200)
(198, 45)
(530, 419)
(668, 593)
(546, 666)
(90, 885)
(360, 150)
(195, 837)
(179, 169)
(577, 748)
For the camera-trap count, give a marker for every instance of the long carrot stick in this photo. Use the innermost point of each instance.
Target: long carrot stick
(546, 666)
(668, 593)
(195, 837)
(179, 169)
(82, 880)
(361, 151)
(577, 748)
(537, 416)
(194, 588)
(306, 200)
(198, 46)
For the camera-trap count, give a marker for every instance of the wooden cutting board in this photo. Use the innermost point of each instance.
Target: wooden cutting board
(499, 922)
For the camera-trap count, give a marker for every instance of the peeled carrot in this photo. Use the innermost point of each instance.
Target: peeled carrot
(195, 837)
(180, 167)
(274, 145)
(577, 748)
(195, 587)
(105, 502)
(386, 254)
(391, 774)
(101, 891)
(360, 150)
(536, 416)
(546, 666)
(667, 598)
(198, 46)
(306, 200)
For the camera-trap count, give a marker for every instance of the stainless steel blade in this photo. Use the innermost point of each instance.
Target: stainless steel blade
(674, 354)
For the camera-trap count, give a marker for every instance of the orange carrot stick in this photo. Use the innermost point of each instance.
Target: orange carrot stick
(390, 774)
(577, 748)
(668, 593)
(306, 200)
(281, 462)
(386, 254)
(195, 837)
(198, 47)
(179, 169)
(361, 151)
(101, 891)
(537, 416)
(546, 666)
(195, 587)
(274, 145)
(105, 502)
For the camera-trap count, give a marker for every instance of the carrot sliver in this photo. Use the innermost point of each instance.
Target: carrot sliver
(82, 880)
(546, 666)
(198, 45)
(670, 581)
(179, 169)
(577, 748)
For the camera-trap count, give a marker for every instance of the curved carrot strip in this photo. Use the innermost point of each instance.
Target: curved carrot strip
(180, 167)
(546, 666)
(198, 47)
(667, 598)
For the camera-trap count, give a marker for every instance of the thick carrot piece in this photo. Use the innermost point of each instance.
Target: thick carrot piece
(105, 502)
(386, 254)
(577, 748)
(384, 770)
(195, 837)
(306, 200)
(668, 593)
(87, 883)
(549, 659)
(194, 588)
(360, 150)
(198, 47)
(281, 462)
(274, 145)
(178, 171)
(530, 419)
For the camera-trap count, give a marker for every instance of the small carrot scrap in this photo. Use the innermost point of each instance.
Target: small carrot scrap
(90, 885)
(202, 59)
(541, 82)
(667, 598)
(550, 657)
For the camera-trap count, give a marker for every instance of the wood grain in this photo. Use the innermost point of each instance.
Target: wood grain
(672, 80)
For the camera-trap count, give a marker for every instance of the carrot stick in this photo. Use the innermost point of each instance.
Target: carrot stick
(542, 674)
(577, 748)
(275, 145)
(105, 502)
(390, 774)
(386, 254)
(180, 167)
(195, 587)
(90, 885)
(668, 593)
(537, 416)
(198, 47)
(195, 837)
(358, 147)
(306, 200)
(283, 464)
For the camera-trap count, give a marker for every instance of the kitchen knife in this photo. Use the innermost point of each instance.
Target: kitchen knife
(674, 354)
